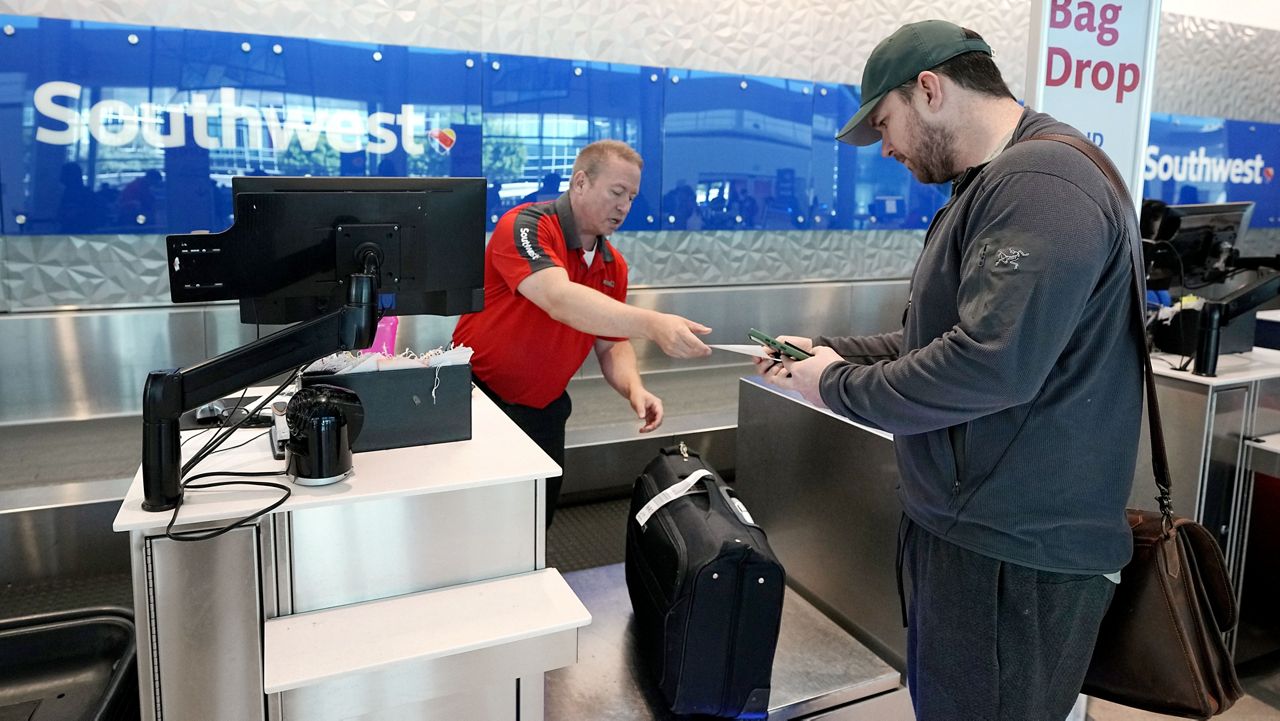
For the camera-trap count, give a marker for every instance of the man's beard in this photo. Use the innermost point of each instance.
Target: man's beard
(934, 160)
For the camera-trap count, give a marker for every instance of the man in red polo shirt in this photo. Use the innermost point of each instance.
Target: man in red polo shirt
(554, 289)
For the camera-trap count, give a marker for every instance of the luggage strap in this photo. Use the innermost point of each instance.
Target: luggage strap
(671, 494)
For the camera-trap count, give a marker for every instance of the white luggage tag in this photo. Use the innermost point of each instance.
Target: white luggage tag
(669, 495)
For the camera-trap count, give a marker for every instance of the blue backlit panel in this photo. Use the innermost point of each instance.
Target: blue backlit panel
(737, 152)
(1212, 160)
(138, 129)
(539, 112)
(834, 162)
(127, 129)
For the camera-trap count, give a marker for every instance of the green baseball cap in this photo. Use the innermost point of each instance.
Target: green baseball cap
(909, 51)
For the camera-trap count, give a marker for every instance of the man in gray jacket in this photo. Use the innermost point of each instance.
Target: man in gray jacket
(1014, 390)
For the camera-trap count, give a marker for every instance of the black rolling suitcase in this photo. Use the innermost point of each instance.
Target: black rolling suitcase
(706, 589)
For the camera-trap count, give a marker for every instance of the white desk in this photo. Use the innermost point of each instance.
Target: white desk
(416, 588)
(1233, 368)
(1208, 426)
(497, 453)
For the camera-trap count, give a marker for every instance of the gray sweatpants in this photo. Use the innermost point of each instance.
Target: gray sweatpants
(988, 639)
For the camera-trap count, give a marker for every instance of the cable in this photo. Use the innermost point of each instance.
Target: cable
(210, 447)
(1228, 276)
(197, 435)
(244, 443)
(221, 432)
(1182, 272)
(225, 431)
(222, 420)
(1184, 360)
(205, 535)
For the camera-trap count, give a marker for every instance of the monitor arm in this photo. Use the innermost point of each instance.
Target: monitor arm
(1218, 313)
(168, 393)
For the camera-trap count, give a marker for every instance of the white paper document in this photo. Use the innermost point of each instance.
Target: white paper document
(751, 349)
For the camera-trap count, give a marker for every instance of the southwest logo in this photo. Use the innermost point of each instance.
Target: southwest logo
(442, 140)
(528, 247)
(113, 122)
(1198, 166)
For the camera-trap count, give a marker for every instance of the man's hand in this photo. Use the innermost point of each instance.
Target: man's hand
(802, 376)
(677, 336)
(648, 408)
(804, 344)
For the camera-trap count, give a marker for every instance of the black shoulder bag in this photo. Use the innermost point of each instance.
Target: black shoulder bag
(1161, 647)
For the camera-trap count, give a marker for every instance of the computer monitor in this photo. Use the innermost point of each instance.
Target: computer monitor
(295, 241)
(1196, 244)
(333, 253)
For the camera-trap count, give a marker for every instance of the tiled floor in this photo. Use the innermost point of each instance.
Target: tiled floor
(588, 535)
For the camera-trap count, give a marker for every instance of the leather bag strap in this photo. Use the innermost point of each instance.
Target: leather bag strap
(1159, 456)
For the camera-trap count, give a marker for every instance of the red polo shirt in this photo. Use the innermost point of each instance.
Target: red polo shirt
(521, 353)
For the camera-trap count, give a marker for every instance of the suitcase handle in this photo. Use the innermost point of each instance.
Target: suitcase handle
(736, 506)
(725, 496)
(671, 494)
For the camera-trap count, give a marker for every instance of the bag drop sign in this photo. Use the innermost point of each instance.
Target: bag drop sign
(1091, 66)
(1096, 24)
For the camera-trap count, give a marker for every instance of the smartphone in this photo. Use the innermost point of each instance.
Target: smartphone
(782, 347)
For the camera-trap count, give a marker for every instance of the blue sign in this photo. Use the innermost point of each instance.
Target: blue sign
(129, 129)
(140, 129)
(539, 112)
(1212, 160)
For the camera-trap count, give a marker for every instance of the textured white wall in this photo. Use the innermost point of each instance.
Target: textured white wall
(812, 39)
(1207, 64)
(1257, 13)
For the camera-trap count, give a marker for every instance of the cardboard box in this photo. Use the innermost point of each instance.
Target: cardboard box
(399, 409)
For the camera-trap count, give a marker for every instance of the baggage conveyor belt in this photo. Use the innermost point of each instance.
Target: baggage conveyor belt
(819, 670)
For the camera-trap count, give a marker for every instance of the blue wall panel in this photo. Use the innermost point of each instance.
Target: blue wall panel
(539, 112)
(740, 148)
(127, 129)
(1210, 160)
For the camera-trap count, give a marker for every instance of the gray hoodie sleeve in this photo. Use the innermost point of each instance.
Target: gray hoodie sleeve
(864, 349)
(1037, 247)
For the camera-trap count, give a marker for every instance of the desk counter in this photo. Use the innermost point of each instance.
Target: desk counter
(415, 588)
(497, 453)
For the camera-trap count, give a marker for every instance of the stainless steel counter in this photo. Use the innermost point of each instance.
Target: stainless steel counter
(694, 399)
(60, 484)
(68, 452)
(604, 449)
(817, 668)
(824, 488)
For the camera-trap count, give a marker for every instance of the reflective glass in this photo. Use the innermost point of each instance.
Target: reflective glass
(539, 112)
(834, 162)
(126, 129)
(737, 152)
(140, 129)
(1211, 160)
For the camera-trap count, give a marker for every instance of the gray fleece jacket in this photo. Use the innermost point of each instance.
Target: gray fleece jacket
(1014, 390)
